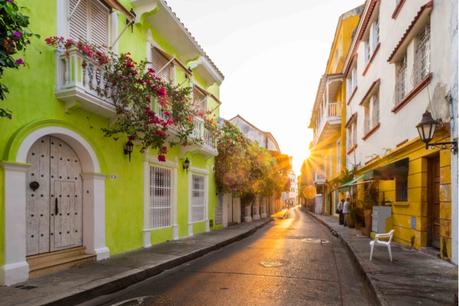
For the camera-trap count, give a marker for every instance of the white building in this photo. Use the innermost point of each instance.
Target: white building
(264, 139)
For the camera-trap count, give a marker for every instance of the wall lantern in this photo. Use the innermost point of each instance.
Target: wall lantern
(128, 148)
(186, 164)
(426, 129)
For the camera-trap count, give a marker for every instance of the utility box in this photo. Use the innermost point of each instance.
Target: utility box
(379, 218)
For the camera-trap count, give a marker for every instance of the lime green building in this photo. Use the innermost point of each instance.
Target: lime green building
(69, 194)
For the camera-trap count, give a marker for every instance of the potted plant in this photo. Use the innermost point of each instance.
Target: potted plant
(352, 217)
(370, 200)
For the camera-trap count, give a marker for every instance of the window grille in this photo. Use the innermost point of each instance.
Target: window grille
(89, 22)
(422, 55)
(161, 196)
(401, 79)
(198, 198)
(367, 122)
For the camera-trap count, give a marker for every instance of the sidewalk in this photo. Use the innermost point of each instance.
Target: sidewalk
(413, 278)
(80, 284)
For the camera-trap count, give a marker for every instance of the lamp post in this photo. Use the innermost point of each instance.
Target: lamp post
(426, 129)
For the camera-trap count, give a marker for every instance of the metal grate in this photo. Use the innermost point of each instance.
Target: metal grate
(400, 86)
(161, 196)
(198, 200)
(422, 55)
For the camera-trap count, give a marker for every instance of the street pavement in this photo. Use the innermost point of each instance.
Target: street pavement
(292, 261)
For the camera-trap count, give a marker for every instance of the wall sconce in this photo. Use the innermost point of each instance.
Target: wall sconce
(128, 148)
(186, 164)
(426, 129)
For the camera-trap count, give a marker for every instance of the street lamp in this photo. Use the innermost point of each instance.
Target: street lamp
(128, 148)
(186, 164)
(426, 129)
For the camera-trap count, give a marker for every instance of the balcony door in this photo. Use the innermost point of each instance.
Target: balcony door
(54, 197)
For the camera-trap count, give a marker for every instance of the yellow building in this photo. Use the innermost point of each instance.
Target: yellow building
(391, 82)
(327, 157)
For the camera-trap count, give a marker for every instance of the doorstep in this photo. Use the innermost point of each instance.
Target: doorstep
(82, 283)
(413, 278)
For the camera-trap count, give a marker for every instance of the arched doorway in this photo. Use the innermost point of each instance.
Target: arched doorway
(18, 171)
(54, 208)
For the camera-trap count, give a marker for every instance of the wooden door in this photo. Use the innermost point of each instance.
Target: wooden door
(54, 197)
(66, 197)
(434, 202)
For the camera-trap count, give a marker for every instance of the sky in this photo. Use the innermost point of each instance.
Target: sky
(272, 54)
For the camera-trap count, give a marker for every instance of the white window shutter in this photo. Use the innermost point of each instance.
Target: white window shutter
(99, 29)
(78, 23)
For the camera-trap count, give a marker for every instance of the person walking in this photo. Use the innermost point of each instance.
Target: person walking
(346, 210)
(340, 211)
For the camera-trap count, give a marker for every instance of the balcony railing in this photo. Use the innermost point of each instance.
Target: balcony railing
(77, 82)
(330, 115)
(201, 133)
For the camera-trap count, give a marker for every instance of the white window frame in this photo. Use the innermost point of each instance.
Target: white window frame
(63, 23)
(205, 173)
(351, 82)
(152, 161)
(351, 133)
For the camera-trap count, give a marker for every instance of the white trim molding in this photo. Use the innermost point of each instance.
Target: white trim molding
(15, 268)
(205, 173)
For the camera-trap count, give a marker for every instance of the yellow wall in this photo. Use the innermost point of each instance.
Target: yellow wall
(417, 205)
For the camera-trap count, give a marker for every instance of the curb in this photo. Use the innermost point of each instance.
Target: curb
(377, 294)
(141, 274)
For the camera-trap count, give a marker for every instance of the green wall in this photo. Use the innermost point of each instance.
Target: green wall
(34, 105)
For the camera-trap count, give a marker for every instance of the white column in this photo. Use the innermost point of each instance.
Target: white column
(264, 207)
(15, 268)
(94, 215)
(256, 209)
(248, 213)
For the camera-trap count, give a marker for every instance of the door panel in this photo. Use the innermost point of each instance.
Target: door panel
(66, 194)
(54, 208)
(434, 202)
(37, 210)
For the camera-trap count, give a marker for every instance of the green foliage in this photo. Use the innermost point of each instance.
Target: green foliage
(14, 37)
(245, 168)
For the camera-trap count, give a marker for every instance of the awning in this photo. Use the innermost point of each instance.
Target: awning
(391, 171)
(362, 179)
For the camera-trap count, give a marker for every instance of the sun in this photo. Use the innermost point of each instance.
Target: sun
(307, 154)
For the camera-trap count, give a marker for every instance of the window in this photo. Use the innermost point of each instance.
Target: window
(198, 198)
(351, 82)
(199, 100)
(422, 55)
(89, 22)
(401, 188)
(163, 66)
(371, 107)
(372, 40)
(161, 197)
(351, 134)
(401, 79)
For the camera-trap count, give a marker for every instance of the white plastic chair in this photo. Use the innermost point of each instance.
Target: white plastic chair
(387, 239)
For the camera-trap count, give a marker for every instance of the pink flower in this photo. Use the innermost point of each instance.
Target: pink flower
(20, 61)
(162, 92)
(161, 157)
(167, 114)
(17, 34)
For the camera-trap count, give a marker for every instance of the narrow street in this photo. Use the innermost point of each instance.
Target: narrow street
(293, 261)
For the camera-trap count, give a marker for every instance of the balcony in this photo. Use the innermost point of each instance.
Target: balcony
(319, 178)
(207, 145)
(328, 122)
(76, 85)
